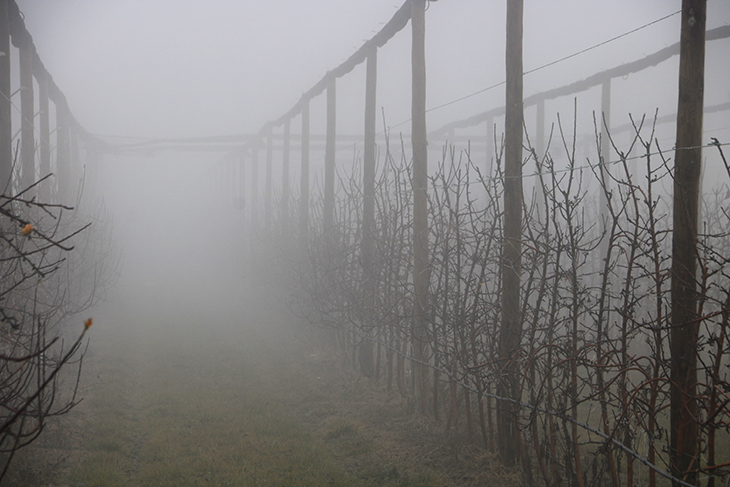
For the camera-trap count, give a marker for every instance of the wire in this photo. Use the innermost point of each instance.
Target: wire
(598, 164)
(552, 63)
(601, 43)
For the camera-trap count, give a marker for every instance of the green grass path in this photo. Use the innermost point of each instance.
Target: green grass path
(185, 402)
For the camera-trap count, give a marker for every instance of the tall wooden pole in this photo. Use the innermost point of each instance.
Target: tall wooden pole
(420, 187)
(490, 148)
(45, 135)
(269, 164)
(368, 206)
(27, 144)
(604, 158)
(304, 180)
(6, 135)
(62, 153)
(540, 152)
(285, 197)
(254, 199)
(238, 191)
(511, 330)
(74, 169)
(329, 154)
(684, 442)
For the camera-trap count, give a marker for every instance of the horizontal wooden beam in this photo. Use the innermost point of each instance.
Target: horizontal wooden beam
(585, 84)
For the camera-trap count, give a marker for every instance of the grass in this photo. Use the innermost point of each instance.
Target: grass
(182, 405)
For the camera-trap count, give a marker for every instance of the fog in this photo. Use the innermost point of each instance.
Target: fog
(170, 68)
(174, 68)
(134, 71)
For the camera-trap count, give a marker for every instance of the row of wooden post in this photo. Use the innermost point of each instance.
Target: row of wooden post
(684, 432)
(67, 130)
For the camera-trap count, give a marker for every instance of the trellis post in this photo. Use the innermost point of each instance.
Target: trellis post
(511, 327)
(368, 207)
(304, 179)
(62, 152)
(420, 187)
(490, 147)
(285, 174)
(329, 155)
(45, 134)
(74, 171)
(254, 200)
(6, 144)
(684, 453)
(269, 163)
(27, 144)
(539, 153)
(238, 191)
(604, 157)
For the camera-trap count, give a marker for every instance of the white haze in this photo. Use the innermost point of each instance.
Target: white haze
(179, 68)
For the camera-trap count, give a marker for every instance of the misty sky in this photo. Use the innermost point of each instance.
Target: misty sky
(163, 68)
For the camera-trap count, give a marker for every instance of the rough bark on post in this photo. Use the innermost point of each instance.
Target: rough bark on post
(684, 441)
(368, 207)
(304, 180)
(511, 327)
(420, 209)
(329, 155)
(27, 143)
(6, 144)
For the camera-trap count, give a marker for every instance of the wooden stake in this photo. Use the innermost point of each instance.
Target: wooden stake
(329, 155)
(511, 329)
(27, 144)
(420, 209)
(304, 180)
(6, 144)
(684, 442)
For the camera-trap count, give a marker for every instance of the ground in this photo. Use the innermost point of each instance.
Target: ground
(254, 399)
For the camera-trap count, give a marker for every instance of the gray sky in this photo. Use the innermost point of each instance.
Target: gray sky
(186, 68)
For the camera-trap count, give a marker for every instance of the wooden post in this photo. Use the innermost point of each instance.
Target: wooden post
(230, 194)
(73, 166)
(420, 209)
(685, 435)
(254, 199)
(490, 148)
(44, 192)
(27, 144)
(540, 152)
(62, 153)
(604, 158)
(239, 191)
(368, 204)
(285, 176)
(511, 330)
(329, 155)
(269, 163)
(6, 130)
(304, 180)
(238, 167)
